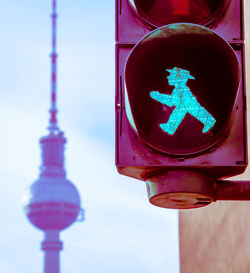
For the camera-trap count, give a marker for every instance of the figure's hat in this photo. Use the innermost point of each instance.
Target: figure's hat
(180, 73)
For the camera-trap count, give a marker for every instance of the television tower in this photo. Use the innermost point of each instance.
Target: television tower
(53, 202)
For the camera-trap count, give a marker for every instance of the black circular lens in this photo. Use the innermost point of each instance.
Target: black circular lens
(182, 81)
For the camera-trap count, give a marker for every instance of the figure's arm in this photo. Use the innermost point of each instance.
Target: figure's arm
(162, 98)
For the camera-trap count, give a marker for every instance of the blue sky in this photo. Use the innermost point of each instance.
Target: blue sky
(122, 231)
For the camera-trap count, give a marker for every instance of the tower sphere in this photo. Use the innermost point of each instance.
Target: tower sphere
(52, 203)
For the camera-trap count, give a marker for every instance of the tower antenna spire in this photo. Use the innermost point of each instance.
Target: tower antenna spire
(53, 110)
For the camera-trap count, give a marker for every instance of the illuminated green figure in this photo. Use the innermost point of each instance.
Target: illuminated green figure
(184, 102)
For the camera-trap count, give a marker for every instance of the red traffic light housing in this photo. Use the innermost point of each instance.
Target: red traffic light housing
(180, 98)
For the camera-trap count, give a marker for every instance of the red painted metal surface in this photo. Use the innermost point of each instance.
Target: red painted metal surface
(232, 190)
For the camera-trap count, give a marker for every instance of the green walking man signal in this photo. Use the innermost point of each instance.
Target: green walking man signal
(184, 102)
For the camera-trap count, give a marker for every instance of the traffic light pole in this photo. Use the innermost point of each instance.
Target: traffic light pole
(237, 190)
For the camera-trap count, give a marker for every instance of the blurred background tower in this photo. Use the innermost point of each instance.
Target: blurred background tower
(52, 202)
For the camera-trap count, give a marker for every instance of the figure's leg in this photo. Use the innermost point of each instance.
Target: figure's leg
(174, 121)
(203, 116)
(162, 98)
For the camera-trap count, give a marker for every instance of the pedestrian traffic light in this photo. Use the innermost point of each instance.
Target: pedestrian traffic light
(180, 97)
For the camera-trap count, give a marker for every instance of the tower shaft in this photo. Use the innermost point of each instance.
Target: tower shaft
(51, 247)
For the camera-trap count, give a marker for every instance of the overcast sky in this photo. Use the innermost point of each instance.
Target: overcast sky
(122, 232)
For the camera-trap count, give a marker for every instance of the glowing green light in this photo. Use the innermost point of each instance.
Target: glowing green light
(184, 102)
